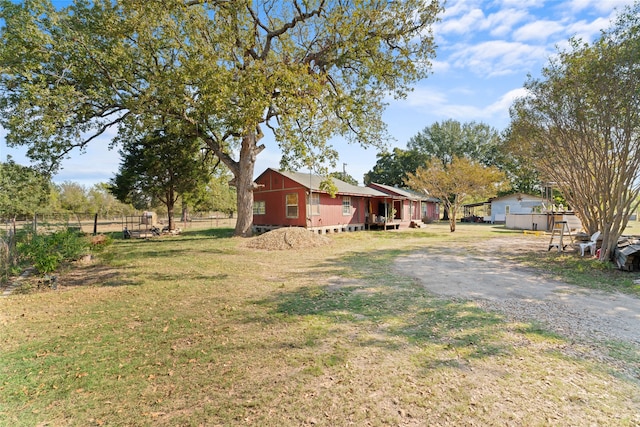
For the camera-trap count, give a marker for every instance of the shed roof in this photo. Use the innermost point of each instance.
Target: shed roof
(519, 196)
(529, 200)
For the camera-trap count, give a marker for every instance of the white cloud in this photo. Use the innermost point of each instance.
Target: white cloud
(497, 57)
(460, 7)
(425, 97)
(440, 105)
(588, 31)
(440, 66)
(522, 4)
(501, 23)
(599, 6)
(538, 30)
(497, 111)
(503, 104)
(463, 25)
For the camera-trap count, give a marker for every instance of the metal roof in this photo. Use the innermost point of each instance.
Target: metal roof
(313, 182)
(405, 192)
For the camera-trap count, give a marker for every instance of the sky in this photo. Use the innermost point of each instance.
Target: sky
(485, 51)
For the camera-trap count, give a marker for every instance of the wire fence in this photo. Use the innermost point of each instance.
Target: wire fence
(91, 223)
(13, 230)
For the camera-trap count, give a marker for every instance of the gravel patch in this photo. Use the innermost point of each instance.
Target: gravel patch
(480, 274)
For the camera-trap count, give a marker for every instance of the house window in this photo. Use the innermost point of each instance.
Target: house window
(292, 205)
(346, 205)
(259, 207)
(315, 204)
(507, 209)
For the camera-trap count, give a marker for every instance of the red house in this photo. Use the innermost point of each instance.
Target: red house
(410, 205)
(295, 199)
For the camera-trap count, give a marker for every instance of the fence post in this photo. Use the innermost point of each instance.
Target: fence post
(95, 224)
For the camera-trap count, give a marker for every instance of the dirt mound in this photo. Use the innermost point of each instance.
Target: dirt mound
(287, 238)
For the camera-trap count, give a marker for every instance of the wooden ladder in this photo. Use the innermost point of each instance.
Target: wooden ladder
(559, 230)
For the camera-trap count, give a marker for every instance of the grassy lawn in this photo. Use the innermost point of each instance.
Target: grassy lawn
(196, 330)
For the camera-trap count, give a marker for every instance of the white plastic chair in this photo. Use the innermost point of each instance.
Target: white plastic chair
(591, 244)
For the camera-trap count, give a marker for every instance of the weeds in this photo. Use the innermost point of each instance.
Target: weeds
(47, 251)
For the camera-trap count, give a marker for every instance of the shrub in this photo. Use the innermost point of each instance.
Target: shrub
(47, 251)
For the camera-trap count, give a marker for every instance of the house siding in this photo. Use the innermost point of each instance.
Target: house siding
(522, 206)
(368, 205)
(273, 189)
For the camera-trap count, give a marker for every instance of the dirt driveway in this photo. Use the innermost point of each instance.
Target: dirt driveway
(484, 275)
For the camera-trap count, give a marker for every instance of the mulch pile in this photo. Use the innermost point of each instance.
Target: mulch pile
(287, 238)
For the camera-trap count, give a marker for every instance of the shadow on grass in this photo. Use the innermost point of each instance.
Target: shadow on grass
(389, 310)
(171, 246)
(178, 277)
(218, 233)
(165, 251)
(97, 275)
(585, 272)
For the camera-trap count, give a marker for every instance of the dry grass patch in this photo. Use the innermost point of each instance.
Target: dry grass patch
(209, 333)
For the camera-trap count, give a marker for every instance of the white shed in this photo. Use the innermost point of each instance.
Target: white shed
(518, 203)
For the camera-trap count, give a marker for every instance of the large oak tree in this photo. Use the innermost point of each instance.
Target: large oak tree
(308, 70)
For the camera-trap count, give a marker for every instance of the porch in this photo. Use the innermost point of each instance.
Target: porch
(382, 223)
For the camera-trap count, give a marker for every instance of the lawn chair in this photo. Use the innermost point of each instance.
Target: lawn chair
(591, 244)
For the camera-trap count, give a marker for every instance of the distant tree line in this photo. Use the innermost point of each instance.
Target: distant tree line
(25, 191)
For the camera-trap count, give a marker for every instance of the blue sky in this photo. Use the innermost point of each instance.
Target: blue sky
(485, 51)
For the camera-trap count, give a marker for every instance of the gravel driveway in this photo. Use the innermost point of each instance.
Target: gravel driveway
(482, 275)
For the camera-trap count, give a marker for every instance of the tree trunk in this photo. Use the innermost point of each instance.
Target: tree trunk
(242, 176)
(185, 212)
(170, 206)
(445, 214)
(170, 215)
(243, 179)
(452, 208)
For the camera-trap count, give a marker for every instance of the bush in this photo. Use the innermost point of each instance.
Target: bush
(47, 251)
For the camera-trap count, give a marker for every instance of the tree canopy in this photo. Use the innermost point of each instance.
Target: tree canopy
(215, 195)
(162, 166)
(392, 168)
(307, 70)
(343, 176)
(22, 190)
(580, 124)
(450, 138)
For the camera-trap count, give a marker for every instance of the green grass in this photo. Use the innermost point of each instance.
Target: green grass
(197, 330)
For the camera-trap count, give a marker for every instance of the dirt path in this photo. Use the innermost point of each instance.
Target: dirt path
(487, 278)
